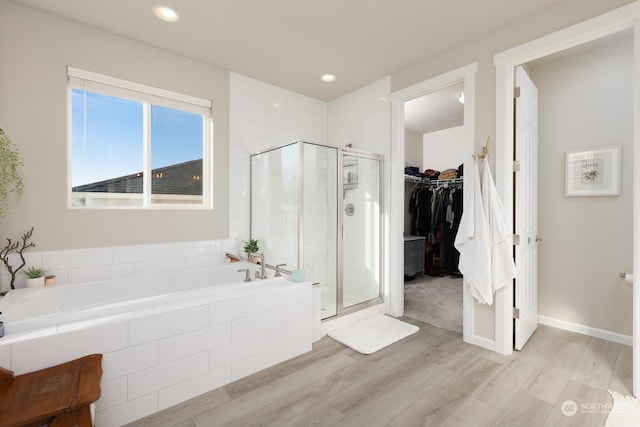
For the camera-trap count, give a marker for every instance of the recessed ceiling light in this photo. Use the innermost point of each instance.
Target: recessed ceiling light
(328, 78)
(165, 13)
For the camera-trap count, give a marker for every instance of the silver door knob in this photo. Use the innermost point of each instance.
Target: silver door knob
(538, 239)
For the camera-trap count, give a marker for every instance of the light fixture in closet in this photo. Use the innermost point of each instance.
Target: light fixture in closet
(461, 98)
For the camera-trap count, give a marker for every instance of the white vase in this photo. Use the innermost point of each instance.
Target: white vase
(36, 282)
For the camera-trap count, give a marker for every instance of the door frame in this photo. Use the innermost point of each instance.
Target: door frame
(626, 17)
(394, 300)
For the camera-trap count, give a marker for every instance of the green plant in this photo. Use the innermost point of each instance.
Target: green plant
(11, 185)
(34, 272)
(252, 246)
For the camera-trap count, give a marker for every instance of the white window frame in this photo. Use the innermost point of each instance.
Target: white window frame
(147, 95)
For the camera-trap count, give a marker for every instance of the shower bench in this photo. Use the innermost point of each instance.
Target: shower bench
(59, 396)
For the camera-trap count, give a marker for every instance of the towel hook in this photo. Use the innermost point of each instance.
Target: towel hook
(485, 150)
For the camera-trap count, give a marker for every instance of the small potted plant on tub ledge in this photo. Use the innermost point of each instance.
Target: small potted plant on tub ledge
(35, 276)
(250, 248)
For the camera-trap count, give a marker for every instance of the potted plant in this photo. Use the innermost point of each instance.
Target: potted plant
(251, 247)
(35, 276)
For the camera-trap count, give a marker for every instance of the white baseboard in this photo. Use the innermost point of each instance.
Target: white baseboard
(480, 342)
(586, 330)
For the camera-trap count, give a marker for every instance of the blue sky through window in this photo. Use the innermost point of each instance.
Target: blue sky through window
(114, 137)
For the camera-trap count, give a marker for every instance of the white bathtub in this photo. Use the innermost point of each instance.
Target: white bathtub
(32, 308)
(165, 338)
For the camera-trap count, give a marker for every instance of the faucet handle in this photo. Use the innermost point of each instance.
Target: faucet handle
(278, 270)
(247, 274)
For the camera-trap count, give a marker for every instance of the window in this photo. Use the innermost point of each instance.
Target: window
(136, 146)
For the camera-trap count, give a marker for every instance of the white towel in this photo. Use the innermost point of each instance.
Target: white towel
(503, 269)
(472, 241)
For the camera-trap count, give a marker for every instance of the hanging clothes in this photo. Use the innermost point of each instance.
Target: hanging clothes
(503, 268)
(473, 243)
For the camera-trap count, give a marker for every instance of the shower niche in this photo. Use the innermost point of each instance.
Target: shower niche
(318, 208)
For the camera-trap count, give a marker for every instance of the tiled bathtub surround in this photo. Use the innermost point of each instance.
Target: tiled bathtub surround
(86, 265)
(163, 354)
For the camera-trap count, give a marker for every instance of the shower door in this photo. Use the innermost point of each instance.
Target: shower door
(361, 229)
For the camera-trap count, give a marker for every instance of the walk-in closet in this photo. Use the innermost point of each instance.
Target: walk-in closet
(434, 138)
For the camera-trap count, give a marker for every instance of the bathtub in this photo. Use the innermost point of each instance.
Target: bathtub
(164, 338)
(32, 308)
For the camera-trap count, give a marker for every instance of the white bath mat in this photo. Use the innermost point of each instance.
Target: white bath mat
(373, 333)
(624, 412)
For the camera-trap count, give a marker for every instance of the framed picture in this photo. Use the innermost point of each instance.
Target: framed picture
(593, 171)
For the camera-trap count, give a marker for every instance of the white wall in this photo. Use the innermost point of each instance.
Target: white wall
(585, 101)
(481, 51)
(413, 149)
(361, 118)
(442, 149)
(256, 123)
(35, 49)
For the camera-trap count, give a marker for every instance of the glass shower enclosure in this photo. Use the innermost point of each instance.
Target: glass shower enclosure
(318, 208)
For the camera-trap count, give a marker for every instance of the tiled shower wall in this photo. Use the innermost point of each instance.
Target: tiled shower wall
(264, 116)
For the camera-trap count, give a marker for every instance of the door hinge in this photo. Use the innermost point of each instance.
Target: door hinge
(516, 239)
(516, 313)
(516, 92)
(516, 166)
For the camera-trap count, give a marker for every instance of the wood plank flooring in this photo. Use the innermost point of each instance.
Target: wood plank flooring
(431, 378)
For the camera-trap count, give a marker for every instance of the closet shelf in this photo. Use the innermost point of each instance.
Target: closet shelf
(435, 182)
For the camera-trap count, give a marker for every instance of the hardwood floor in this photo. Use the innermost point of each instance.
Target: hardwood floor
(430, 378)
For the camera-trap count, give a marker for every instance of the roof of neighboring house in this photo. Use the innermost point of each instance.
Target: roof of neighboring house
(181, 178)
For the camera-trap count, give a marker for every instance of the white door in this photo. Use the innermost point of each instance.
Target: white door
(526, 207)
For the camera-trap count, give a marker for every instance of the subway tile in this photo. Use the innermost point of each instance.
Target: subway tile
(31, 258)
(238, 350)
(182, 345)
(197, 248)
(194, 387)
(144, 268)
(77, 258)
(290, 333)
(141, 253)
(257, 324)
(132, 359)
(130, 411)
(299, 312)
(105, 272)
(290, 295)
(112, 393)
(168, 324)
(26, 356)
(257, 363)
(5, 356)
(205, 260)
(168, 374)
(238, 308)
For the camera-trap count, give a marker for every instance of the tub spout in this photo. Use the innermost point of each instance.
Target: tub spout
(247, 274)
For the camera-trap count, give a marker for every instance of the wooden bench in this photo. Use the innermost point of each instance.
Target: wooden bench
(59, 396)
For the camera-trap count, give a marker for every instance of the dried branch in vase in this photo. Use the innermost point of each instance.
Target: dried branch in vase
(19, 248)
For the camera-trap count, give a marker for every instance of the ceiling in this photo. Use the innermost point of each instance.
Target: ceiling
(435, 111)
(290, 43)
